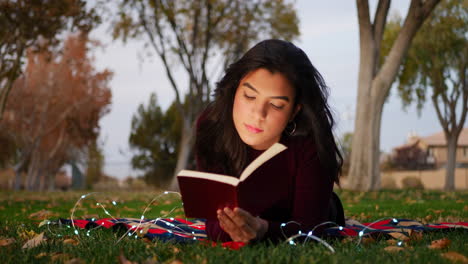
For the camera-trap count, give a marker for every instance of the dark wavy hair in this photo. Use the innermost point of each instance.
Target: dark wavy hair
(218, 146)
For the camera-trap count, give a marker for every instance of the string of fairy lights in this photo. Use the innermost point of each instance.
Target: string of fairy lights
(135, 231)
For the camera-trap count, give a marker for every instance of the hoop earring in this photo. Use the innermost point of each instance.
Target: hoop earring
(290, 132)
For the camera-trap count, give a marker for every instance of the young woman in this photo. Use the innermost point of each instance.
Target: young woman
(272, 94)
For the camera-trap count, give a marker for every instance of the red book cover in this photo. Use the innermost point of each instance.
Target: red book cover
(204, 193)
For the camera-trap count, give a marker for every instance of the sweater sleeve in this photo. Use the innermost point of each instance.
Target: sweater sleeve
(311, 197)
(213, 229)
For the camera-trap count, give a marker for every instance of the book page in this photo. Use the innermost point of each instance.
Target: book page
(209, 176)
(264, 157)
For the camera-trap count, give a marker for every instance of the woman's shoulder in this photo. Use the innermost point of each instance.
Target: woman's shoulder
(300, 145)
(299, 142)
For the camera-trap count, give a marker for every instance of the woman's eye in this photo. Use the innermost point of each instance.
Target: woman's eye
(277, 106)
(249, 97)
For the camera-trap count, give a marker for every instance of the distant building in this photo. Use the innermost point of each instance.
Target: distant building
(429, 152)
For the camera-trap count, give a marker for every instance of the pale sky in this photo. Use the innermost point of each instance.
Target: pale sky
(329, 36)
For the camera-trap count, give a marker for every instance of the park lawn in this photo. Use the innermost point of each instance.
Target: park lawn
(22, 212)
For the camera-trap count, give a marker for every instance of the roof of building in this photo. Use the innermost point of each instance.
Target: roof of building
(438, 139)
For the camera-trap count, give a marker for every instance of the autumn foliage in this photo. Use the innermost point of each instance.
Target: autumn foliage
(54, 109)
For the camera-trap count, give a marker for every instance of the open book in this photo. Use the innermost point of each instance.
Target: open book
(203, 193)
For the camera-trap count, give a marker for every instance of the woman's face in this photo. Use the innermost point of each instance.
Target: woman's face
(263, 106)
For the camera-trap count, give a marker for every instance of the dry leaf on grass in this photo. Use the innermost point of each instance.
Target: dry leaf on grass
(392, 249)
(455, 257)
(126, 208)
(59, 256)
(124, 260)
(440, 243)
(90, 216)
(6, 241)
(175, 250)
(40, 255)
(142, 232)
(75, 261)
(428, 217)
(34, 242)
(415, 235)
(176, 261)
(25, 234)
(42, 215)
(367, 240)
(399, 236)
(392, 242)
(70, 241)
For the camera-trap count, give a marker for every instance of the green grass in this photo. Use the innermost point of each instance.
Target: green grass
(101, 246)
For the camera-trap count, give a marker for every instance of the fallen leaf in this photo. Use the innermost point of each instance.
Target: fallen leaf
(44, 222)
(128, 209)
(428, 217)
(75, 261)
(152, 260)
(465, 208)
(399, 236)
(6, 241)
(440, 243)
(34, 242)
(393, 249)
(124, 260)
(90, 216)
(346, 240)
(415, 235)
(367, 240)
(176, 261)
(70, 241)
(392, 242)
(455, 257)
(59, 256)
(175, 250)
(26, 234)
(41, 255)
(42, 215)
(142, 232)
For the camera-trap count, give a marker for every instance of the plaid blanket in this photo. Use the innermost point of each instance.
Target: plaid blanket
(189, 231)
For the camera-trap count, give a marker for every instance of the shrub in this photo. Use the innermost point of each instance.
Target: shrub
(388, 183)
(411, 182)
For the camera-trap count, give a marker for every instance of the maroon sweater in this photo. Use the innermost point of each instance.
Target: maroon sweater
(290, 187)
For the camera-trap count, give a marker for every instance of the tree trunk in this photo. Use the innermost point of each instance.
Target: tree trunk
(374, 85)
(451, 162)
(18, 168)
(365, 169)
(32, 172)
(184, 151)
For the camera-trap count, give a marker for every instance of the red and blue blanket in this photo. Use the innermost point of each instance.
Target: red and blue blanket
(191, 230)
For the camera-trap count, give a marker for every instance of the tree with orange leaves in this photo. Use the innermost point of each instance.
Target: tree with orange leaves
(54, 110)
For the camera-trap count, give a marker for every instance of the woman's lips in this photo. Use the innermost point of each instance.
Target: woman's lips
(253, 129)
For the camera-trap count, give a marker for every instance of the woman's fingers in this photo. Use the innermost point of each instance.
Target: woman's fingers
(238, 230)
(243, 220)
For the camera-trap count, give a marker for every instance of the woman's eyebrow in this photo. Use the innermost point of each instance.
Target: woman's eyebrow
(248, 85)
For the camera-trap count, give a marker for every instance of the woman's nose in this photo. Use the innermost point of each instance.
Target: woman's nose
(260, 111)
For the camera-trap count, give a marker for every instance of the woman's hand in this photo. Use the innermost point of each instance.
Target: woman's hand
(241, 225)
